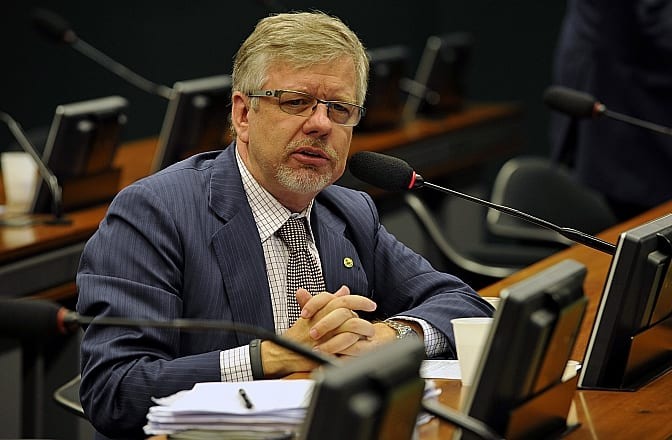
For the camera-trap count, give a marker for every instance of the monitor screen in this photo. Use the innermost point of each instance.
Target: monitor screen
(385, 100)
(79, 151)
(631, 340)
(360, 400)
(439, 81)
(533, 334)
(197, 119)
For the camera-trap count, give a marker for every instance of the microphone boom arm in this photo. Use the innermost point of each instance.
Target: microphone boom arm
(638, 122)
(47, 175)
(571, 234)
(120, 70)
(200, 324)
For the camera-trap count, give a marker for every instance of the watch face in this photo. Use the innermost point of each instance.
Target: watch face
(405, 331)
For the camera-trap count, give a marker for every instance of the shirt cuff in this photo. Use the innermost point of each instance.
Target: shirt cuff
(235, 364)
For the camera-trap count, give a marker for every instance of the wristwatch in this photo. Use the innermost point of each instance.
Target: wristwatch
(403, 330)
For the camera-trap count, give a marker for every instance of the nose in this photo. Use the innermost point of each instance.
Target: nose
(318, 123)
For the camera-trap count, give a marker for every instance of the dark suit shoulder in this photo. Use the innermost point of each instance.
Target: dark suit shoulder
(340, 195)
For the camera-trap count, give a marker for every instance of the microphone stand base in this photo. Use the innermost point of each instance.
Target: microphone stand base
(57, 221)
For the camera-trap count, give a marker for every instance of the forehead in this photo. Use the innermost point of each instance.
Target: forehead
(327, 78)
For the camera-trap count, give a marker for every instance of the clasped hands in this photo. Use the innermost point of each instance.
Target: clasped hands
(329, 323)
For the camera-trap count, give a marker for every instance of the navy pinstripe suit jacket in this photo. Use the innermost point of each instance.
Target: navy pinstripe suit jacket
(183, 244)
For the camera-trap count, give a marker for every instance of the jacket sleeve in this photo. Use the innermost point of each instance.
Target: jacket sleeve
(131, 268)
(398, 279)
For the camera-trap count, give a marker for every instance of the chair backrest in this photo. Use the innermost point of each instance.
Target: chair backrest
(546, 190)
(67, 395)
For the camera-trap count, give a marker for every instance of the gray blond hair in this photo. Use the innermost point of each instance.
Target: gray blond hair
(302, 39)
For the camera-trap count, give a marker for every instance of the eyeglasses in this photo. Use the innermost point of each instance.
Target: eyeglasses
(304, 104)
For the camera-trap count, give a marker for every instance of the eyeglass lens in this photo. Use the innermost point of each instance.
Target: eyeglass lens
(303, 104)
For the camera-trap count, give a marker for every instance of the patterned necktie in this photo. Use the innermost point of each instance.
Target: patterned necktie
(302, 268)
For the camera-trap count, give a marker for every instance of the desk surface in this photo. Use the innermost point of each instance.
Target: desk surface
(643, 414)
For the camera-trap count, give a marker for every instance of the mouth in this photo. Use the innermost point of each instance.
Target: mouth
(312, 156)
(312, 152)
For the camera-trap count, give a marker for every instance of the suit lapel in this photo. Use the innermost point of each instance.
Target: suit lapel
(340, 261)
(238, 249)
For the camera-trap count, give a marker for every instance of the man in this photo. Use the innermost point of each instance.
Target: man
(202, 239)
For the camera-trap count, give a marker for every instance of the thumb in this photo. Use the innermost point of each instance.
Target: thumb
(302, 297)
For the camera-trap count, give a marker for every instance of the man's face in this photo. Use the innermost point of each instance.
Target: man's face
(295, 157)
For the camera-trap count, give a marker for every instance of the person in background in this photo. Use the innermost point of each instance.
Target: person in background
(619, 51)
(203, 239)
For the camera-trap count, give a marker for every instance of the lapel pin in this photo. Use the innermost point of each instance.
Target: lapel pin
(347, 262)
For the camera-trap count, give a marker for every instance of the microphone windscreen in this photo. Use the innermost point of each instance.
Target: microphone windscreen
(382, 171)
(28, 319)
(569, 101)
(53, 26)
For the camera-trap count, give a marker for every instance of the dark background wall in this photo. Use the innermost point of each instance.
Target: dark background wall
(170, 40)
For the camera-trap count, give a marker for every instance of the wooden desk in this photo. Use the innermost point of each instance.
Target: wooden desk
(643, 414)
(462, 140)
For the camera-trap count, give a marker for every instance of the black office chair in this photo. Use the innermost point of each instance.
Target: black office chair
(67, 395)
(508, 244)
(546, 190)
(485, 261)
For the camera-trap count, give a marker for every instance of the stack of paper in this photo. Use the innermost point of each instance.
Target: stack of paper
(277, 406)
(269, 409)
(440, 369)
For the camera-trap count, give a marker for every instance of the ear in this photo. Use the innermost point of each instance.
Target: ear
(239, 112)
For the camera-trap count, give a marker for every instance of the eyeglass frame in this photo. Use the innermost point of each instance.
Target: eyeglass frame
(277, 93)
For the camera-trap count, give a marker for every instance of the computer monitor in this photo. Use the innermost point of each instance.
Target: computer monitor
(521, 370)
(376, 396)
(439, 84)
(631, 340)
(385, 99)
(197, 119)
(79, 151)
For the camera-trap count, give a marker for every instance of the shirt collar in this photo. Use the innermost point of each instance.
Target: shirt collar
(268, 212)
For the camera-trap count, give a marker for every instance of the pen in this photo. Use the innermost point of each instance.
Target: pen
(246, 398)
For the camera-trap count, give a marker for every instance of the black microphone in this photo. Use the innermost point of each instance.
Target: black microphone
(57, 29)
(394, 174)
(34, 319)
(45, 172)
(582, 105)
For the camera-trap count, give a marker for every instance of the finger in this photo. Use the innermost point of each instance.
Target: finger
(359, 348)
(352, 302)
(302, 297)
(356, 302)
(341, 321)
(322, 299)
(338, 343)
(315, 304)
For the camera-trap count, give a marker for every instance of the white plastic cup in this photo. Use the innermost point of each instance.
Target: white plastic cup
(493, 300)
(570, 370)
(19, 177)
(471, 335)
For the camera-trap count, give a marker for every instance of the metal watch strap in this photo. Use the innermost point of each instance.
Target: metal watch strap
(403, 330)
